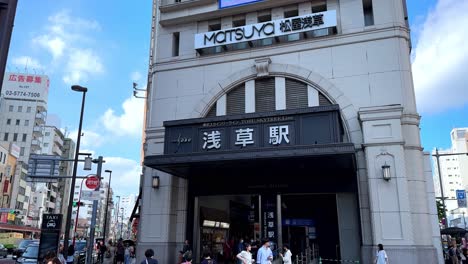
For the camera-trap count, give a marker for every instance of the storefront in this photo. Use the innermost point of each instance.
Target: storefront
(249, 174)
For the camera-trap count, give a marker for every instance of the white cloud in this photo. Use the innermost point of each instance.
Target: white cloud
(125, 174)
(81, 63)
(136, 76)
(68, 39)
(26, 61)
(130, 122)
(89, 138)
(441, 58)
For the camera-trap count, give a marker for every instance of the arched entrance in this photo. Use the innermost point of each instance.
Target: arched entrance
(271, 156)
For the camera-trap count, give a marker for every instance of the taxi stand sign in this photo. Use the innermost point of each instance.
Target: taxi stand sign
(461, 198)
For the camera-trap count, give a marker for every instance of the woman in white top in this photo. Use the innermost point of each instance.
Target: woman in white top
(245, 256)
(381, 257)
(287, 255)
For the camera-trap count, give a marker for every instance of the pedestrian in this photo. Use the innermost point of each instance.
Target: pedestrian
(287, 255)
(127, 254)
(186, 251)
(71, 254)
(109, 255)
(245, 256)
(188, 260)
(149, 257)
(102, 251)
(207, 259)
(381, 257)
(120, 252)
(240, 246)
(264, 254)
(54, 260)
(60, 255)
(464, 256)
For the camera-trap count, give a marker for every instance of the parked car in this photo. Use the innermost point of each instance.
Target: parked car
(30, 255)
(3, 251)
(18, 252)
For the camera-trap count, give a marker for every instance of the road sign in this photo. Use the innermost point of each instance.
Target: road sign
(92, 182)
(461, 198)
(90, 195)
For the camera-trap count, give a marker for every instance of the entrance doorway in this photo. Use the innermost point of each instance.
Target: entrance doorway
(310, 224)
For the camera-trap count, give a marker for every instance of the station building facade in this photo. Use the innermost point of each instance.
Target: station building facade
(292, 120)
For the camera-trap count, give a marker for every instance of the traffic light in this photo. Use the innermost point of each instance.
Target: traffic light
(15, 212)
(75, 204)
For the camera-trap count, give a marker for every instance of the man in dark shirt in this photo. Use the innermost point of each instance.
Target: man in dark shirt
(149, 254)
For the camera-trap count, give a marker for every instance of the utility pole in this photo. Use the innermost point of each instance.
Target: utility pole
(89, 255)
(121, 223)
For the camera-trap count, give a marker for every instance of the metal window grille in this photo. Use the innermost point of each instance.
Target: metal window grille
(265, 95)
(235, 101)
(296, 94)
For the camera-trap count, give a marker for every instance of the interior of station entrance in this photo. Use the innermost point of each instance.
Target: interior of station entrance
(308, 223)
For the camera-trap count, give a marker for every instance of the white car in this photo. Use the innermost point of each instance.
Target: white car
(51, 223)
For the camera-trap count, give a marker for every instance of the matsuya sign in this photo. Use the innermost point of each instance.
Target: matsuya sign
(268, 29)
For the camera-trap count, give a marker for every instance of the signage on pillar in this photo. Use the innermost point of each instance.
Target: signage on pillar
(461, 198)
(50, 234)
(269, 219)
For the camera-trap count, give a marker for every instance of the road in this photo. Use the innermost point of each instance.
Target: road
(7, 260)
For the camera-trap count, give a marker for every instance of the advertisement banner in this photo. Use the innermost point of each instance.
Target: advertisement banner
(4, 218)
(232, 3)
(25, 86)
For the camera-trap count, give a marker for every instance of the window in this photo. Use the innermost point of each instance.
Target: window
(175, 44)
(8, 122)
(5, 137)
(28, 110)
(47, 134)
(26, 122)
(25, 136)
(265, 100)
(20, 109)
(368, 13)
(292, 13)
(17, 122)
(10, 108)
(235, 101)
(322, 7)
(15, 136)
(22, 151)
(46, 145)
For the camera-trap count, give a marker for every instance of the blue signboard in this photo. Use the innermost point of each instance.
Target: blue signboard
(298, 222)
(232, 3)
(461, 198)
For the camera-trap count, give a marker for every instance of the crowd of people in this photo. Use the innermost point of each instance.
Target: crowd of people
(119, 253)
(456, 255)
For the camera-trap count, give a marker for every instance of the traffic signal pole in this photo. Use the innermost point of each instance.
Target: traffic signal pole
(89, 255)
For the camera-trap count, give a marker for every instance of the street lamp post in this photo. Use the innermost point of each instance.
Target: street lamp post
(121, 222)
(107, 206)
(437, 155)
(83, 90)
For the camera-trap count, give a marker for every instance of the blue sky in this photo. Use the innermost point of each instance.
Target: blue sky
(104, 44)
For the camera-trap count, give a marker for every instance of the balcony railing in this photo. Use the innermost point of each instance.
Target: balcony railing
(38, 131)
(40, 118)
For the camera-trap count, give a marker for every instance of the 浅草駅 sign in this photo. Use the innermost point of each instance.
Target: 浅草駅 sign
(274, 28)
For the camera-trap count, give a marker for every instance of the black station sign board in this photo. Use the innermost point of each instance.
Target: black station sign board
(250, 132)
(50, 234)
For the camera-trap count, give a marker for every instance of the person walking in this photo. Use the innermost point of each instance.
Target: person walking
(381, 257)
(71, 254)
(109, 255)
(264, 254)
(245, 256)
(149, 257)
(120, 252)
(127, 254)
(454, 252)
(287, 255)
(207, 259)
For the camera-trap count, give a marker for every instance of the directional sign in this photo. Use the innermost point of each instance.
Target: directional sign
(92, 182)
(461, 198)
(90, 195)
